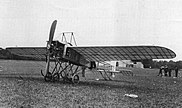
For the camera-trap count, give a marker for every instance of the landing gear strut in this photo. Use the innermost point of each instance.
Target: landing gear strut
(65, 71)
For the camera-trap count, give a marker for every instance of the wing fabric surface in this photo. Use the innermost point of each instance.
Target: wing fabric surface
(115, 53)
(32, 52)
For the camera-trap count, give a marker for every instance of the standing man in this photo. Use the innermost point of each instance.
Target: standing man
(176, 71)
(160, 71)
(169, 71)
(165, 70)
(83, 71)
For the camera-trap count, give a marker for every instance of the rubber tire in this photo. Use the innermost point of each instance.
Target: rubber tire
(47, 78)
(75, 79)
(56, 77)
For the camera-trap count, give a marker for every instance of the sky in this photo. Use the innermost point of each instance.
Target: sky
(94, 22)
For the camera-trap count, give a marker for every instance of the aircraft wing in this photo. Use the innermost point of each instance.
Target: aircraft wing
(116, 53)
(103, 53)
(36, 53)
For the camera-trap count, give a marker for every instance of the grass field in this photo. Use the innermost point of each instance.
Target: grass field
(33, 92)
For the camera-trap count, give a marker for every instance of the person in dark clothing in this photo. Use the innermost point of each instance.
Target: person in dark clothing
(92, 65)
(165, 70)
(83, 71)
(169, 72)
(160, 71)
(176, 71)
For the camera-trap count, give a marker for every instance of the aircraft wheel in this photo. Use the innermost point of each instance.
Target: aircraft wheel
(56, 77)
(48, 77)
(75, 79)
(63, 74)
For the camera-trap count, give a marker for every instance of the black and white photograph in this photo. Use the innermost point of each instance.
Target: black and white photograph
(90, 54)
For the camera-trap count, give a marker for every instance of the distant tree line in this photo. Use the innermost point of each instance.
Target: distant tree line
(4, 54)
(158, 64)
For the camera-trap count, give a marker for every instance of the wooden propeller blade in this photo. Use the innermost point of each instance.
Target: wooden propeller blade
(51, 34)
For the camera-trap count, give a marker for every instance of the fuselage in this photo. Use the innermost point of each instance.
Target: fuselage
(64, 52)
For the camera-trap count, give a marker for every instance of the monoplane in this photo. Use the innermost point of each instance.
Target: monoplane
(71, 60)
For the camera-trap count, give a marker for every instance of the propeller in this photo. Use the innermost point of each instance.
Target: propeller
(51, 35)
(52, 30)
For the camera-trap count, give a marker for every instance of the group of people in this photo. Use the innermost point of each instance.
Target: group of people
(165, 71)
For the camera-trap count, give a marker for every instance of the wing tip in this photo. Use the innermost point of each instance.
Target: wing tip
(171, 52)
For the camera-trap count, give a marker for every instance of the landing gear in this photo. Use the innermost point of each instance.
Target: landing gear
(56, 77)
(75, 79)
(64, 71)
(48, 77)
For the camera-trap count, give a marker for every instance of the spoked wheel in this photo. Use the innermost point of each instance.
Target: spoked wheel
(56, 77)
(75, 79)
(48, 77)
(63, 75)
